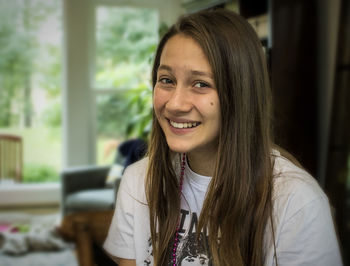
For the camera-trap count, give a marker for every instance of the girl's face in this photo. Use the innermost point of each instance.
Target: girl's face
(185, 98)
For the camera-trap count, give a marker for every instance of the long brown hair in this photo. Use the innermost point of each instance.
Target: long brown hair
(238, 203)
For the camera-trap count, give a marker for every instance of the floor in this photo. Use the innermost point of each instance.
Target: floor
(18, 223)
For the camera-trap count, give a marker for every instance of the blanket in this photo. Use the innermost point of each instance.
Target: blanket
(36, 239)
(21, 233)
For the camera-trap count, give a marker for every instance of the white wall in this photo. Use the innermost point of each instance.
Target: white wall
(77, 125)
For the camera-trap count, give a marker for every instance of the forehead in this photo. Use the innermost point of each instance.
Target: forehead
(183, 50)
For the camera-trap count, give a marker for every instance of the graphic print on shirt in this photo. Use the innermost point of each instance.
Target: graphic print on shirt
(189, 251)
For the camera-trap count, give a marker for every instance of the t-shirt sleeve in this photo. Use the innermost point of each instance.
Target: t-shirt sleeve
(308, 236)
(120, 238)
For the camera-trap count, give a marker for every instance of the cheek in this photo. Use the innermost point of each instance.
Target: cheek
(159, 100)
(214, 112)
(214, 105)
(210, 107)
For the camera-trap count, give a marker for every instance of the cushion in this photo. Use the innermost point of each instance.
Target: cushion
(93, 199)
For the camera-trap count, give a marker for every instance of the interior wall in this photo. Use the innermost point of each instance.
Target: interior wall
(328, 22)
(294, 78)
(337, 181)
(302, 39)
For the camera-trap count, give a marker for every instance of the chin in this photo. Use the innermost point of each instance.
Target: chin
(178, 148)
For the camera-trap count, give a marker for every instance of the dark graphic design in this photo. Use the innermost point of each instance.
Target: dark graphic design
(189, 251)
(192, 252)
(149, 260)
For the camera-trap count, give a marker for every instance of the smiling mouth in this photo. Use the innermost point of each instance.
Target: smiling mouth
(184, 125)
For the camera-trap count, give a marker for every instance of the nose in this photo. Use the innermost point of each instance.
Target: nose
(179, 101)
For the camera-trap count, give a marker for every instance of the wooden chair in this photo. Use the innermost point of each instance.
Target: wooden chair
(86, 229)
(11, 158)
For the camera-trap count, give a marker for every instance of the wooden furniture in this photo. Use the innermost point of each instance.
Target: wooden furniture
(86, 229)
(11, 158)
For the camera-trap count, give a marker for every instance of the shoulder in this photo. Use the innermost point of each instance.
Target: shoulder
(289, 180)
(294, 189)
(138, 168)
(133, 179)
(303, 220)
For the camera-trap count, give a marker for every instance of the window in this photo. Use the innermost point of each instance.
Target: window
(30, 83)
(126, 39)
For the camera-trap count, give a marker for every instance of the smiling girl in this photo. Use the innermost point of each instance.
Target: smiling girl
(214, 189)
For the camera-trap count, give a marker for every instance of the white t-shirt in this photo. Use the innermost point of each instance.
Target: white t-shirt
(304, 230)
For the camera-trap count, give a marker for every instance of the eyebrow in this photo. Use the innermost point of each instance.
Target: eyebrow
(202, 73)
(193, 72)
(165, 67)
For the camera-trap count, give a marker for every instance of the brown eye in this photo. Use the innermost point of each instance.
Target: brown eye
(201, 85)
(165, 81)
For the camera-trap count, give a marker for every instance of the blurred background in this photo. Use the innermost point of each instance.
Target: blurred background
(75, 85)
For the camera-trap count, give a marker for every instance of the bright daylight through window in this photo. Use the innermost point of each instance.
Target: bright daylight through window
(30, 88)
(126, 39)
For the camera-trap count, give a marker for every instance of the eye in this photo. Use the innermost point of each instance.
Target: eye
(165, 81)
(200, 84)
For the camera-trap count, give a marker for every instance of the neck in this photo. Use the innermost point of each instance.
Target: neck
(202, 163)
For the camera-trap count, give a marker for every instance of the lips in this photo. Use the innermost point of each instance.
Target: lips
(183, 124)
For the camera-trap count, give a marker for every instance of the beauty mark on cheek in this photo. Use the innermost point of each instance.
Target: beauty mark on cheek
(211, 103)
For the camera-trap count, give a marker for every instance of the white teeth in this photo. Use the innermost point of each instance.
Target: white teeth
(183, 125)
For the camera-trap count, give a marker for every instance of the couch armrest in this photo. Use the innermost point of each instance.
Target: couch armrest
(83, 178)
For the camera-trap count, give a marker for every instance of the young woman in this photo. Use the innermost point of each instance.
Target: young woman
(214, 190)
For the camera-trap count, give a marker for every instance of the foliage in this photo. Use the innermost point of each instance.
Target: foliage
(127, 35)
(19, 23)
(39, 173)
(110, 110)
(126, 114)
(52, 117)
(14, 61)
(51, 71)
(51, 82)
(125, 50)
(139, 102)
